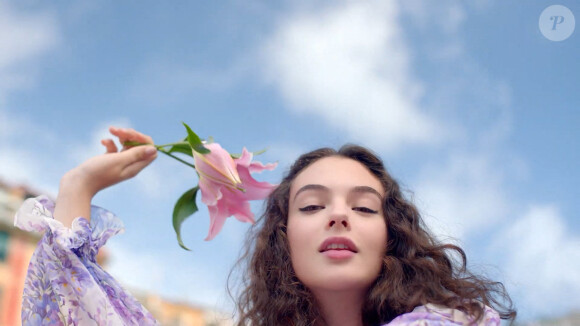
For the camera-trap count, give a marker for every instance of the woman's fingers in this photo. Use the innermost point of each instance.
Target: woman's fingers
(102, 171)
(128, 134)
(136, 159)
(122, 135)
(110, 145)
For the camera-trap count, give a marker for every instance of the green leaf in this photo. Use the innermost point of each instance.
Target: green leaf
(261, 151)
(236, 155)
(201, 149)
(181, 148)
(184, 208)
(194, 141)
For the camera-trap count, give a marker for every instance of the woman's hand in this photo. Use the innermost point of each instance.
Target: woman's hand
(105, 170)
(81, 184)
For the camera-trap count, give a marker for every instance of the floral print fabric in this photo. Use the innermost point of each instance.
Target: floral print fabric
(434, 315)
(66, 286)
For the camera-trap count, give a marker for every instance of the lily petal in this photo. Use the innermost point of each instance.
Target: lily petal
(217, 165)
(241, 211)
(210, 191)
(259, 167)
(246, 160)
(217, 221)
(254, 189)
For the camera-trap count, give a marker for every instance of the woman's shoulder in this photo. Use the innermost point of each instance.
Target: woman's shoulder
(432, 314)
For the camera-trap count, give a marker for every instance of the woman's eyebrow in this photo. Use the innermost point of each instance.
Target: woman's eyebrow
(366, 189)
(357, 189)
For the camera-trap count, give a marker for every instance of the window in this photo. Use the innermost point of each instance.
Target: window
(3, 245)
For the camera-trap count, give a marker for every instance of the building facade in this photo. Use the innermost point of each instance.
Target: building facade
(16, 248)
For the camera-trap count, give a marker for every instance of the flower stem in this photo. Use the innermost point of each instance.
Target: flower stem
(175, 157)
(172, 144)
(160, 148)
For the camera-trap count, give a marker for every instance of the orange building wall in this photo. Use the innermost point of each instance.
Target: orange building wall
(12, 276)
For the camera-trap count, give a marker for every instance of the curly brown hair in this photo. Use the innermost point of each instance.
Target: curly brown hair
(417, 269)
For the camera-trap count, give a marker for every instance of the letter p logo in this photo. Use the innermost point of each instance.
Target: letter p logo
(557, 23)
(557, 20)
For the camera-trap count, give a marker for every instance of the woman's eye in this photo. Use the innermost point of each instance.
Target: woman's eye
(310, 208)
(365, 210)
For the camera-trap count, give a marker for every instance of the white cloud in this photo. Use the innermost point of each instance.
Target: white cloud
(24, 38)
(349, 65)
(20, 165)
(541, 260)
(23, 159)
(468, 197)
(464, 193)
(464, 196)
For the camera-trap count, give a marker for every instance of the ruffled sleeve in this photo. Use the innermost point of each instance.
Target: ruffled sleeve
(64, 284)
(435, 315)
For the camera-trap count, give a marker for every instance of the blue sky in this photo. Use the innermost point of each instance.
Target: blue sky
(472, 109)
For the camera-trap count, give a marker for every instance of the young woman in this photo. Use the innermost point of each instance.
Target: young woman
(338, 244)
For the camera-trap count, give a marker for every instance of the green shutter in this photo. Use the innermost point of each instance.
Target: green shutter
(3, 245)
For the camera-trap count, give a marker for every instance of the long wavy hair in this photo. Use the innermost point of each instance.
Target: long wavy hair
(417, 269)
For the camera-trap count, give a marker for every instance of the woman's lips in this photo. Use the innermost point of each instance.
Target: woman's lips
(338, 253)
(331, 243)
(338, 248)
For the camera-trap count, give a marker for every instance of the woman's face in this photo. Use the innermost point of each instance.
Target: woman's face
(336, 229)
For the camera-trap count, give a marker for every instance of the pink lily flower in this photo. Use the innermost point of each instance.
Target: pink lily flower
(226, 185)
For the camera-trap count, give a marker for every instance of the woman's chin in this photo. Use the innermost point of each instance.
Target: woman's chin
(339, 282)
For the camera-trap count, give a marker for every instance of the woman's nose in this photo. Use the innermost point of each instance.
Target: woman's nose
(338, 216)
(344, 222)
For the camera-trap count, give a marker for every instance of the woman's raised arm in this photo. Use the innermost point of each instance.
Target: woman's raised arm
(64, 284)
(82, 183)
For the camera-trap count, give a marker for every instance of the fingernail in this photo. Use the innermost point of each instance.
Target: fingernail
(150, 151)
